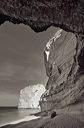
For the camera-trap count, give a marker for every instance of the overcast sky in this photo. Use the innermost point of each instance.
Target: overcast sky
(21, 60)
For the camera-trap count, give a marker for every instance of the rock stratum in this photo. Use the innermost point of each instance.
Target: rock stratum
(65, 86)
(30, 96)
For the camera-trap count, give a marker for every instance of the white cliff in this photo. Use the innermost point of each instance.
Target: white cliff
(30, 96)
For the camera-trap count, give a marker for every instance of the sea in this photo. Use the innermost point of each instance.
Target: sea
(13, 114)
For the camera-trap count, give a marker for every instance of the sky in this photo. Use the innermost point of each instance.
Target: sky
(21, 60)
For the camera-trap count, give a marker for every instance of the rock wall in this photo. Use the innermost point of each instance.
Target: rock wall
(65, 85)
(30, 96)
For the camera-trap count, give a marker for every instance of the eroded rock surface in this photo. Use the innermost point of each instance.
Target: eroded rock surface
(64, 67)
(41, 14)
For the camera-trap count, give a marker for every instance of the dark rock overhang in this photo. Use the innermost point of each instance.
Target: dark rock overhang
(41, 14)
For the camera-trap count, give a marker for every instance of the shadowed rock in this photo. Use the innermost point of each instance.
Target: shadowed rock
(53, 114)
(41, 14)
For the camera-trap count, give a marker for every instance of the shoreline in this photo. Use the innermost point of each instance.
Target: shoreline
(27, 118)
(70, 119)
(62, 120)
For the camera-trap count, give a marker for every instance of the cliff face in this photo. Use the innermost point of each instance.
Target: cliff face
(65, 71)
(61, 59)
(30, 96)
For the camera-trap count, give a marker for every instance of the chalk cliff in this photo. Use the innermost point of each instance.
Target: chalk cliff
(30, 96)
(65, 86)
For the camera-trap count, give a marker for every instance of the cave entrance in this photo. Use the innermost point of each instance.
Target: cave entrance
(21, 59)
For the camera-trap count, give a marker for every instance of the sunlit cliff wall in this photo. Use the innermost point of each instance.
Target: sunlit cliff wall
(30, 96)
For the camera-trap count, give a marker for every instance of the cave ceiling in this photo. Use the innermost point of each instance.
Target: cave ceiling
(41, 14)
